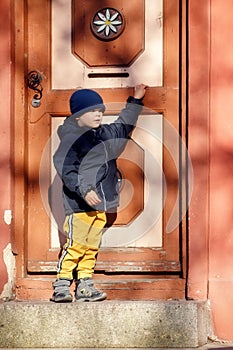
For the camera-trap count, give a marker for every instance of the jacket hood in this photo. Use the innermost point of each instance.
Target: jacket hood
(70, 127)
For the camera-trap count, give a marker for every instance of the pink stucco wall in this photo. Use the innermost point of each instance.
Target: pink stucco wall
(211, 149)
(5, 107)
(221, 168)
(198, 144)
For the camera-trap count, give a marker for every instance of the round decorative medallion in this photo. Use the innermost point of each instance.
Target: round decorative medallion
(107, 24)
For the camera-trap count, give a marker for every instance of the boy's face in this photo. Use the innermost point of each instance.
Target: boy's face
(91, 119)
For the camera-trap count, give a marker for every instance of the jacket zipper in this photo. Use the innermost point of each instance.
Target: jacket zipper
(101, 187)
(106, 156)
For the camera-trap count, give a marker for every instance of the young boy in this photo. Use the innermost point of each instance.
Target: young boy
(86, 162)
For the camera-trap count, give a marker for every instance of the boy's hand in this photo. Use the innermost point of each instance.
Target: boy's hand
(91, 198)
(140, 90)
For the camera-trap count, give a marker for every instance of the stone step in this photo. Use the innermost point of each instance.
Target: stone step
(107, 324)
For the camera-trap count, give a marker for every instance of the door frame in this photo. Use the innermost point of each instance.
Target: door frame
(164, 286)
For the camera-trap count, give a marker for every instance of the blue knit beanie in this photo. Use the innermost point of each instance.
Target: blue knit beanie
(85, 100)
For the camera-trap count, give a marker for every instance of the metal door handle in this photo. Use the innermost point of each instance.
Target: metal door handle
(34, 80)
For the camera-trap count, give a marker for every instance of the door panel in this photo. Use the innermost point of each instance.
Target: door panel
(100, 50)
(81, 72)
(137, 242)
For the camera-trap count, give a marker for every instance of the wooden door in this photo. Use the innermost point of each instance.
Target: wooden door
(137, 251)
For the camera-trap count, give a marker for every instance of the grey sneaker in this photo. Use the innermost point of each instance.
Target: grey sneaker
(85, 291)
(62, 291)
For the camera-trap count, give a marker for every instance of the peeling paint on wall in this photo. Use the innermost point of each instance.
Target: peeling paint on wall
(9, 260)
(7, 216)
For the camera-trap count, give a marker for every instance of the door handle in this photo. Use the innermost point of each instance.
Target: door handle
(34, 80)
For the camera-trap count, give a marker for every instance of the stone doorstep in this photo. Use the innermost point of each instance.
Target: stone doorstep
(217, 345)
(108, 324)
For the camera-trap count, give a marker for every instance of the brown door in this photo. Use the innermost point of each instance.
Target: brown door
(70, 44)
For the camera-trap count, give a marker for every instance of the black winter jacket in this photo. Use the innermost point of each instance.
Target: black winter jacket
(86, 159)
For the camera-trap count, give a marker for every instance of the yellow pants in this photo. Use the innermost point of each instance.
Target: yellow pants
(84, 232)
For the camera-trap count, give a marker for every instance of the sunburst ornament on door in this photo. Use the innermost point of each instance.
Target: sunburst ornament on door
(107, 24)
